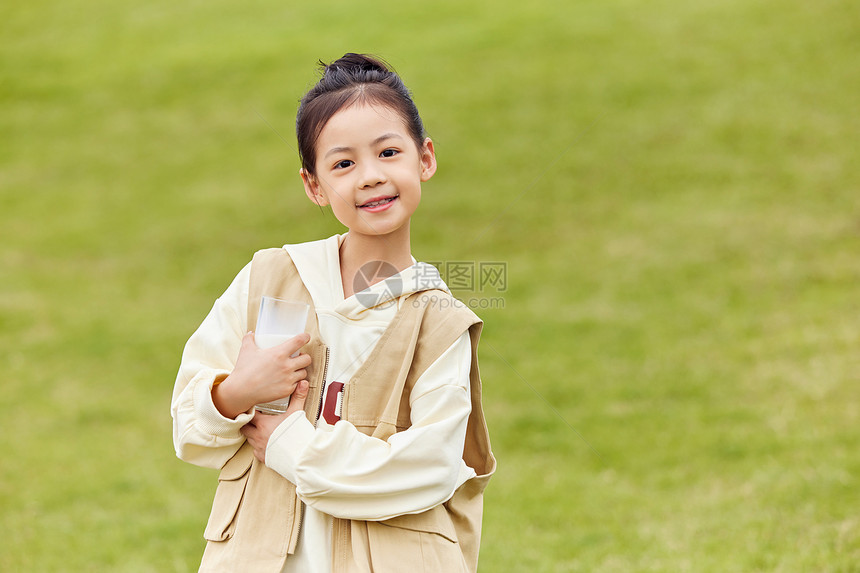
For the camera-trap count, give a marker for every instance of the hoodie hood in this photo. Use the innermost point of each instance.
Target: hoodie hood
(318, 263)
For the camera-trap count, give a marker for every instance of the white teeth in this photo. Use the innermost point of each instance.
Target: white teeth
(380, 202)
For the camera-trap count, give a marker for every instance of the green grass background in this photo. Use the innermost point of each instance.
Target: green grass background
(672, 384)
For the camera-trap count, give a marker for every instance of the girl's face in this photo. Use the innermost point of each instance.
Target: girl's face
(369, 170)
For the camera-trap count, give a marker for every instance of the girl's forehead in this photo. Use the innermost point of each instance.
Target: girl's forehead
(363, 120)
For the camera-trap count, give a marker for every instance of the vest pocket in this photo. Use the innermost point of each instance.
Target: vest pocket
(426, 541)
(228, 497)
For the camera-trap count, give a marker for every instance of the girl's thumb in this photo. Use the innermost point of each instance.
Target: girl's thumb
(297, 399)
(301, 390)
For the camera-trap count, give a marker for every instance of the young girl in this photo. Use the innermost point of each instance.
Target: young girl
(380, 462)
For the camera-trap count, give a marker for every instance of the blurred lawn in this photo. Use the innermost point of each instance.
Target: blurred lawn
(675, 190)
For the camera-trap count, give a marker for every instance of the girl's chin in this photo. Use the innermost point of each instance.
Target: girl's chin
(382, 229)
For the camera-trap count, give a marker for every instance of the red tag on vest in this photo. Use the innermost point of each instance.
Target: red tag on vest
(331, 407)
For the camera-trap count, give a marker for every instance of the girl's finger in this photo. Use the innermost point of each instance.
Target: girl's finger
(297, 400)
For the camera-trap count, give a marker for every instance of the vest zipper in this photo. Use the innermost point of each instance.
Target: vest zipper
(300, 505)
(322, 387)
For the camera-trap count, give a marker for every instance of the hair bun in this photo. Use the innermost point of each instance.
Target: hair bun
(351, 62)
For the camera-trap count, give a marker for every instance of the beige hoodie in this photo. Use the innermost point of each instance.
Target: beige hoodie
(338, 470)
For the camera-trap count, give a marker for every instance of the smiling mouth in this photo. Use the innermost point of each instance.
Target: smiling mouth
(378, 202)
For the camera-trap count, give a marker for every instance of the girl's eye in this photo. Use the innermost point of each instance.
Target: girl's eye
(343, 164)
(389, 153)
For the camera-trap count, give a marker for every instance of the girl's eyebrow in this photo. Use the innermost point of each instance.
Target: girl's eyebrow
(385, 136)
(376, 141)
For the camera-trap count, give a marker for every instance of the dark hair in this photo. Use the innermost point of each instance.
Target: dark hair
(347, 80)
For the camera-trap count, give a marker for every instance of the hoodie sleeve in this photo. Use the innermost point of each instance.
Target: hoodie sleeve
(201, 435)
(344, 473)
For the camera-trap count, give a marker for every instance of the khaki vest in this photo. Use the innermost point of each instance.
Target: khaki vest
(256, 514)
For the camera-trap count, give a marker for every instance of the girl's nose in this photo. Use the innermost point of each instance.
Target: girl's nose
(371, 175)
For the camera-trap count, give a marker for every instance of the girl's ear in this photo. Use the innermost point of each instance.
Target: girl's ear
(428, 160)
(313, 188)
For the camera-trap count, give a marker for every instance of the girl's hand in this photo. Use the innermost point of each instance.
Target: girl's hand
(260, 428)
(261, 375)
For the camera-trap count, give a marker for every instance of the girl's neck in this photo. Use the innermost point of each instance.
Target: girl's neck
(358, 250)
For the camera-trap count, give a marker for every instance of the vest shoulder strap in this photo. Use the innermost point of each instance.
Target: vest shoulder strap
(273, 273)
